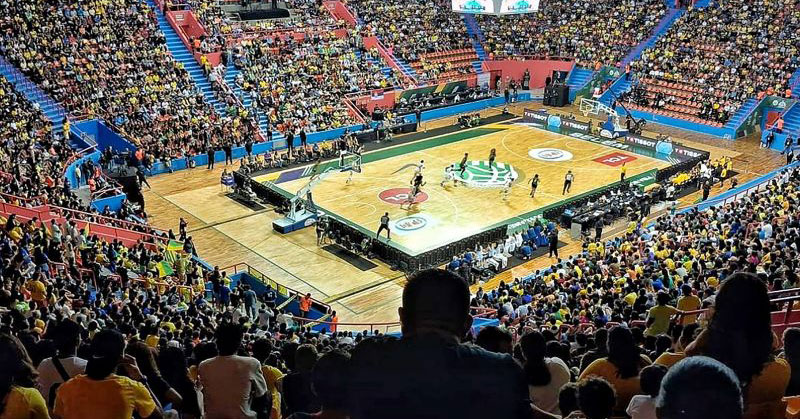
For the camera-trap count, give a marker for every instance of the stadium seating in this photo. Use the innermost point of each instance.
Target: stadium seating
(63, 260)
(305, 14)
(302, 84)
(590, 32)
(414, 30)
(115, 67)
(708, 57)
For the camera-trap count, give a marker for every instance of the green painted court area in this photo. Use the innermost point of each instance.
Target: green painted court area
(400, 150)
(480, 175)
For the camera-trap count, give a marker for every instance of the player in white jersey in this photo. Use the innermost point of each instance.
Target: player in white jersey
(449, 175)
(506, 191)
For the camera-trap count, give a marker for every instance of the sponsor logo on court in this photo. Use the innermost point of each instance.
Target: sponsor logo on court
(615, 159)
(549, 154)
(479, 174)
(643, 181)
(411, 223)
(400, 196)
(554, 121)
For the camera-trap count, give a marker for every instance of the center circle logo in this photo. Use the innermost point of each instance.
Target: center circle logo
(411, 223)
(400, 196)
(549, 154)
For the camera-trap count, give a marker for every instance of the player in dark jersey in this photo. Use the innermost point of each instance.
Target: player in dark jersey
(463, 165)
(534, 185)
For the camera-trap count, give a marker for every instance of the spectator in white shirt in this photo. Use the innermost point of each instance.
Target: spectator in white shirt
(545, 376)
(643, 406)
(67, 337)
(233, 386)
(509, 247)
(497, 254)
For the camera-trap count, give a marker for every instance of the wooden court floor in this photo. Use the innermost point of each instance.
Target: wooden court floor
(451, 213)
(226, 233)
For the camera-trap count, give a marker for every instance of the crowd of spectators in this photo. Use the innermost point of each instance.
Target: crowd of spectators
(32, 159)
(34, 162)
(588, 31)
(95, 328)
(109, 60)
(712, 59)
(412, 29)
(302, 84)
(651, 273)
(304, 15)
(154, 350)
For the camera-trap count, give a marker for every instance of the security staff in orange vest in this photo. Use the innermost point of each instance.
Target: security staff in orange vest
(779, 125)
(305, 305)
(334, 321)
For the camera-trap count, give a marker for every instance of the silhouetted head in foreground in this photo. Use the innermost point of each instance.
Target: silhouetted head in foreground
(700, 388)
(436, 301)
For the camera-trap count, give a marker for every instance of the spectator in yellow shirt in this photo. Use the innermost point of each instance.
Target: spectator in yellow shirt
(262, 349)
(20, 399)
(659, 316)
(38, 292)
(688, 302)
(621, 367)
(101, 393)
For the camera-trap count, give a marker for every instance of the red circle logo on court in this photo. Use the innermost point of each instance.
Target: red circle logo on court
(400, 196)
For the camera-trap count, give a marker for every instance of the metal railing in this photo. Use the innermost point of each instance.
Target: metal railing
(333, 326)
(281, 289)
(748, 188)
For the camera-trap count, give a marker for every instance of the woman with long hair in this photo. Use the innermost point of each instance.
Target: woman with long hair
(19, 398)
(103, 393)
(174, 369)
(791, 353)
(621, 367)
(145, 359)
(739, 334)
(545, 376)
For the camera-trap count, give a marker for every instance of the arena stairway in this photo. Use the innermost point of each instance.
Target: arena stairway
(663, 26)
(791, 121)
(578, 78)
(477, 39)
(181, 54)
(385, 69)
(619, 87)
(51, 108)
(406, 69)
(794, 83)
(742, 113)
(263, 121)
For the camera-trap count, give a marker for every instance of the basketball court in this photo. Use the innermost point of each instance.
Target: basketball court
(442, 215)
(227, 232)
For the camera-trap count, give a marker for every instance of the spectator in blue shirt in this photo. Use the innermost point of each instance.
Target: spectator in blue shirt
(526, 251)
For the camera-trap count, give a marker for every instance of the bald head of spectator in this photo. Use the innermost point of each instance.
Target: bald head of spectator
(435, 300)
